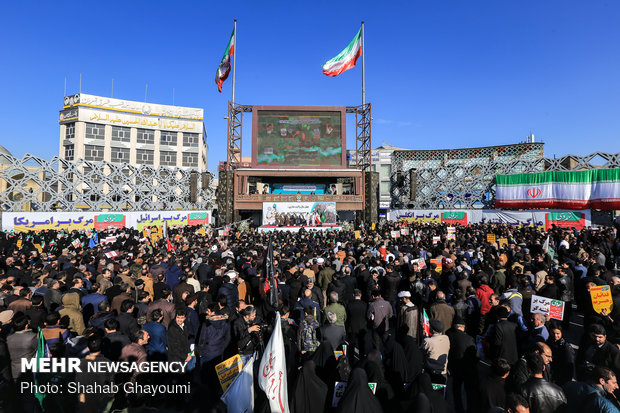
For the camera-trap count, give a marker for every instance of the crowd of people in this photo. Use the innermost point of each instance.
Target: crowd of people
(449, 335)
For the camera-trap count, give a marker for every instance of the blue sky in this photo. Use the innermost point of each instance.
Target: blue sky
(439, 74)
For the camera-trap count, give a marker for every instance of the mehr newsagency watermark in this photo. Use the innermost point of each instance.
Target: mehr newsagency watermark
(76, 365)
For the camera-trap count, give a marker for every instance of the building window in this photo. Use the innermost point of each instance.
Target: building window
(168, 138)
(146, 136)
(385, 171)
(190, 159)
(69, 152)
(384, 187)
(144, 157)
(190, 139)
(95, 131)
(70, 131)
(93, 153)
(167, 158)
(120, 134)
(120, 155)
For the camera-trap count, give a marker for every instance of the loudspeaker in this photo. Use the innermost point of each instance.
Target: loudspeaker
(413, 182)
(193, 183)
(371, 197)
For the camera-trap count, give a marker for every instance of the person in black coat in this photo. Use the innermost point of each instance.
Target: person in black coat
(357, 322)
(177, 338)
(127, 323)
(492, 388)
(603, 353)
(462, 362)
(503, 338)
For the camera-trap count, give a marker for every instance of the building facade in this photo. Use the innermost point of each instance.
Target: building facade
(381, 163)
(96, 128)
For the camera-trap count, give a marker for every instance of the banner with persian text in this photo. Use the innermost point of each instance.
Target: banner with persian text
(69, 221)
(543, 219)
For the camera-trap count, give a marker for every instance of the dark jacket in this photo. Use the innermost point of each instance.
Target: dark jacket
(503, 341)
(462, 358)
(213, 339)
(333, 333)
(156, 347)
(113, 344)
(356, 316)
(127, 324)
(230, 291)
(178, 342)
(606, 356)
(544, 397)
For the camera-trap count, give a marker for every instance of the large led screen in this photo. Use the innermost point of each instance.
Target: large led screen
(299, 138)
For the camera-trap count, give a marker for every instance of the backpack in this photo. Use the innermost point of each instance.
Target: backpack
(309, 341)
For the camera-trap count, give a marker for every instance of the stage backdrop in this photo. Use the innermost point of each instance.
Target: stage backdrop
(68, 221)
(541, 218)
(596, 188)
(318, 213)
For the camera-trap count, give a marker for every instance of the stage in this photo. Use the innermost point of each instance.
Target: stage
(268, 228)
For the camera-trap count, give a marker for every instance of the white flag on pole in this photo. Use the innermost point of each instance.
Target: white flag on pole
(272, 371)
(239, 396)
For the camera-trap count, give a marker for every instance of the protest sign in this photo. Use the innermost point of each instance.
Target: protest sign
(451, 233)
(601, 298)
(436, 240)
(503, 242)
(491, 238)
(547, 306)
(404, 231)
(395, 234)
(438, 262)
(227, 370)
(358, 234)
(341, 386)
(421, 263)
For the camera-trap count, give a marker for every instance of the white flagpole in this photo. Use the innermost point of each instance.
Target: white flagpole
(363, 69)
(234, 63)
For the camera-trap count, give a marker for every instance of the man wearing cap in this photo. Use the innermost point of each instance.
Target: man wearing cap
(408, 316)
(435, 350)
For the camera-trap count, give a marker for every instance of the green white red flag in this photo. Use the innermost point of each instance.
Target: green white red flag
(595, 188)
(224, 68)
(345, 59)
(426, 324)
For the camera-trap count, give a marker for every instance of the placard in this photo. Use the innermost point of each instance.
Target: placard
(503, 242)
(228, 370)
(404, 231)
(439, 263)
(436, 240)
(491, 238)
(601, 298)
(421, 263)
(341, 386)
(395, 234)
(547, 306)
(358, 234)
(451, 233)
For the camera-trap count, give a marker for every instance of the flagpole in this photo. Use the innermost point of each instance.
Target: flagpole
(234, 63)
(363, 68)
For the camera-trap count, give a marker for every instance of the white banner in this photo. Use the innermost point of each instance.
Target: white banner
(299, 213)
(68, 221)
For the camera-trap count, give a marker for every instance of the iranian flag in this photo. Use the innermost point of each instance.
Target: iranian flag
(596, 188)
(426, 324)
(224, 68)
(345, 59)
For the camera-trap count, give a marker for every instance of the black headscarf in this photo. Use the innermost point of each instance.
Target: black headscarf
(326, 363)
(358, 397)
(415, 360)
(309, 392)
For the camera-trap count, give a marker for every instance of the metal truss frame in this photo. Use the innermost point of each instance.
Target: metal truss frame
(235, 134)
(473, 185)
(363, 135)
(34, 184)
